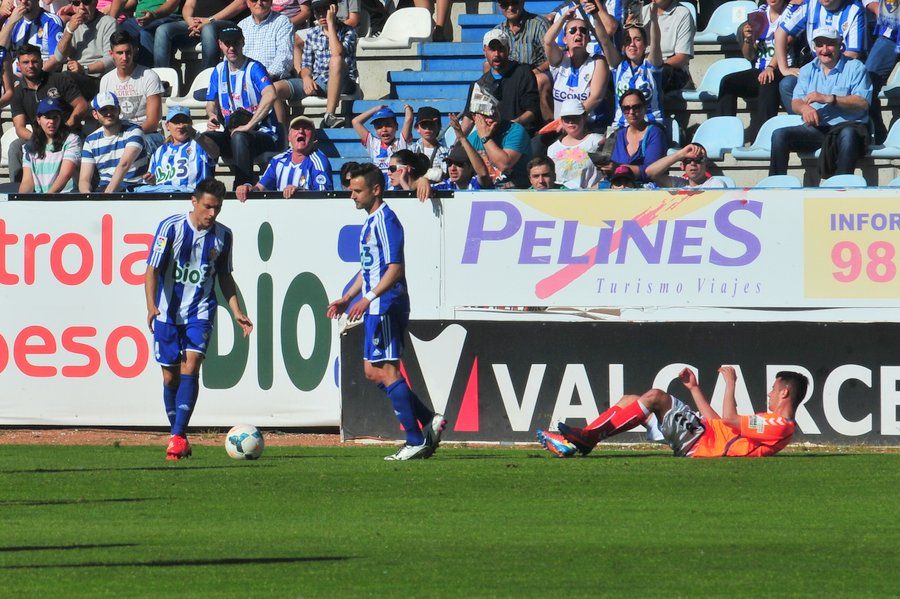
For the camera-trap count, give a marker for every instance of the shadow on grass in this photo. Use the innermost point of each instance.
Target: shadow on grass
(43, 502)
(64, 547)
(173, 467)
(185, 563)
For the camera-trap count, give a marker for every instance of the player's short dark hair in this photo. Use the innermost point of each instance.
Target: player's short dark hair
(211, 186)
(796, 383)
(345, 172)
(370, 173)
(28, 50)
(540, 161)
(121, 37)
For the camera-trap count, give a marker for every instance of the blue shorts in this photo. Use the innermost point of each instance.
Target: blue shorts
(384, 336)
(171, 341)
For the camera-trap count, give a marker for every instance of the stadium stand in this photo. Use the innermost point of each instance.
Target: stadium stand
(401, 66)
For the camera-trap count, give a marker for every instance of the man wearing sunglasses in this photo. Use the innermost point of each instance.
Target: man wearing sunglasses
(694, 167)
(832, 95)
(84, 48)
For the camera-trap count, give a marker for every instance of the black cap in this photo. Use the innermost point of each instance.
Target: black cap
(458, 153)
(231, 34)
(427, 113)
(320, 5)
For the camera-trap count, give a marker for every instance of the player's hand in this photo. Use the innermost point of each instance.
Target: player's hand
(766, 76)
(290, 189)
(244, 323)
(336, 308)
(358, 310)
(242, 191)
(152, 313)
(728, 373)
(688, 378)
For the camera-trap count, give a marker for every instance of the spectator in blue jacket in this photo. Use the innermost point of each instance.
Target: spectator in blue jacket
(639, 143)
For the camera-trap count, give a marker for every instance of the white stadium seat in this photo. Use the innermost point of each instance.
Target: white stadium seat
(403, 27)
(201, 81)
(762, 147)
(709, 87)
(724, 22)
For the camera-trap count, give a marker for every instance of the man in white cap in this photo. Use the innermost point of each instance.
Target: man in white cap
(114, 153)
(832, 95)
(511, 83)
(303, 167)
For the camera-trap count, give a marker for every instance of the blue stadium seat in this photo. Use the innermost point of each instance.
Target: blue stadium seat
(783, 181)
(341, 143)
(447, 56)
(844, 181)
(892, 87)
(410, 85)
(724, 21)
(719, 135)
(473, 27)
(762, 147)
(894, 183)
(708, 89)
(891, 146)
(729, 182)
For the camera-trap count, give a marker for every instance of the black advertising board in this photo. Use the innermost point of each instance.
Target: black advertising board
(500, 380)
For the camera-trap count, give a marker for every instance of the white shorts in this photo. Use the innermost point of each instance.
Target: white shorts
(680, 428)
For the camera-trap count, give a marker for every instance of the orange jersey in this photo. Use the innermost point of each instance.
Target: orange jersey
(760, 435)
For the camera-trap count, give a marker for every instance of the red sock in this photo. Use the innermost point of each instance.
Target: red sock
(617, 419)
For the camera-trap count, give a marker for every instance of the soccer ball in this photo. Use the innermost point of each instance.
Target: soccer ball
(244, 442)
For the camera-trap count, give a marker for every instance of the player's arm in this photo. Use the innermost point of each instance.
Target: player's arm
(337, 307)
(689, 380)
(391, 275)
(729, 407)
(151, 281)
(230, 290)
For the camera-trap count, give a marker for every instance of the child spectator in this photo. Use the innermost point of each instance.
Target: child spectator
(428, 124)
(571, 154)
(52, 155)
(114, 153)
(384, 142)
(185, 159)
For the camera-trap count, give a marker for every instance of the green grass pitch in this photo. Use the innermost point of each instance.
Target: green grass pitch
(339, 522)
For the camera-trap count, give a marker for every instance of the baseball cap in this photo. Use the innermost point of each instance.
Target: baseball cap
(303, 119)
(622, 174)
(104, 99)
(826, 32)
(496, 35)
(49, 105)
(231, 34)
(457, 154)
(571, 108)
(384, 113)
(176, 110)
(427, 113)
(320, 5)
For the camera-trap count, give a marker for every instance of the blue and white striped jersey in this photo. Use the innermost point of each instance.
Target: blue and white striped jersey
(44, 33)
(765, 43)
(887, 20)
(247, 84)
(105, 152)
(181, 165)
(313, 173)
(188, 261)
(849, 20)
(380, 244)
(644, 77)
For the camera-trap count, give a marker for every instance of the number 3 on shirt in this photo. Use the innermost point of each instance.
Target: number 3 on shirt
(366, 258)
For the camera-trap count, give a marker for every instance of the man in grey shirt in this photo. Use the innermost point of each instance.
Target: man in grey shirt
(677, 29)
(84, 49)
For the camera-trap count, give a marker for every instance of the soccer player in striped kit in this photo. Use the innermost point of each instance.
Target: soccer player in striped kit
(190, 252)
(384, 308)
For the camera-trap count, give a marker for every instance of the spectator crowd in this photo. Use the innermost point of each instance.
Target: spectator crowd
(578, 99)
